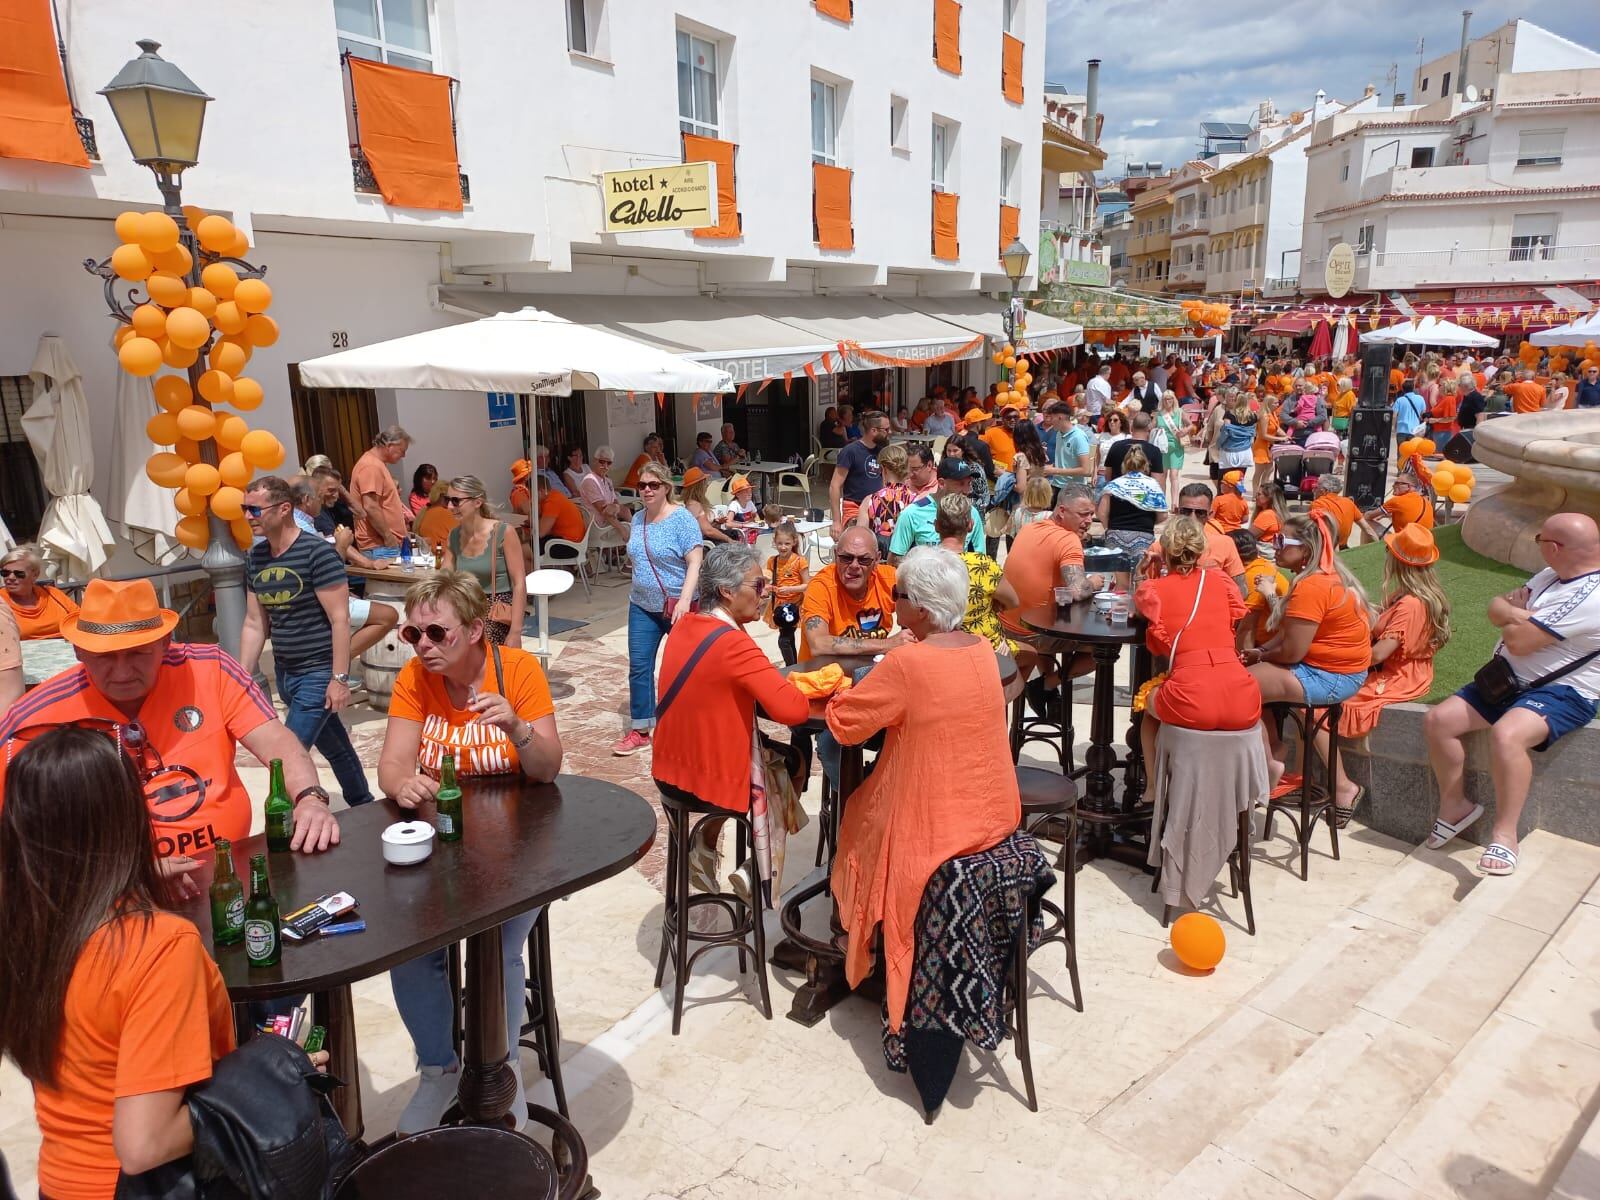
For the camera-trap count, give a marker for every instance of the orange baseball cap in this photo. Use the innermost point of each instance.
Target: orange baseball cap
(118, 614)
(1413, 545)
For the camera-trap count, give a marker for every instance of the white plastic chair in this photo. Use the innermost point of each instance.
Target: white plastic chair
(571, 556)
(791, 483)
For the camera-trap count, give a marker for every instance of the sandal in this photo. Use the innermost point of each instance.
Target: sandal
(1498, 859)
(1445, 832)
(1342, 815)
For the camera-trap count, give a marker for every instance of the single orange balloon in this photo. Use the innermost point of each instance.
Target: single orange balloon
(130, 262)
(228, 358)
(247, 394)
(252, 295)
(123, 333)
(243, 536)
(230, 430)
(202, 479)
(167, 290)
(227, 503)
(1198, 941)
(220, 279)
(188, 503)
(234, 470)
(261, 449)
(261, 330)
(240, 246)
(130, 225)
(157, 232)
(181, 357)
(149, 321)
(140, 356)
(172, 392)
(193, 214)
(1461, 493)
(215, 233)
(196, 421)
(162, 429)
(177, 261)
(203, 302)
(188, 449)
(193, 532)
(216, 387)
(229, 317)
(166, 469)
(187, 328)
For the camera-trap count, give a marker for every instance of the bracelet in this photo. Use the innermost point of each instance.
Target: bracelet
(525, 739)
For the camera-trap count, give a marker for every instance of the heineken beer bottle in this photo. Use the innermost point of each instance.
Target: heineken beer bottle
(280, 811)
(447, 813)
(261, 917)
(227, 899)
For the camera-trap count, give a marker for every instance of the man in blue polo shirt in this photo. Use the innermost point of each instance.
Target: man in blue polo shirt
(914, 525)
(1588, 395)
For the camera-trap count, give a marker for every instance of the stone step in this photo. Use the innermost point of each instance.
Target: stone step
(1292, 1093)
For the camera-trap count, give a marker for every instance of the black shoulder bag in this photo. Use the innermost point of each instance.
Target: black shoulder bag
(787, 614)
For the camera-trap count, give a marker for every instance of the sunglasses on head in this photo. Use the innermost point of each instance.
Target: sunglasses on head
(437, 634)
(865, 560)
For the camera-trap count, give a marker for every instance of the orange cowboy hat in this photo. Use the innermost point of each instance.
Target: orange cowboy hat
(692, 476)
(118, 614)
(739, 483)
(974, 415)
(1413, 546)
(520, 470)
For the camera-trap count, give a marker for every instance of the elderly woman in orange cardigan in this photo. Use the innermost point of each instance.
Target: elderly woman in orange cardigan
(931, 797)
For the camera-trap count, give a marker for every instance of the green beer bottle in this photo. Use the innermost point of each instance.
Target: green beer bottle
(447, 814)
(261, 943)
(280, 811)
(227, 899)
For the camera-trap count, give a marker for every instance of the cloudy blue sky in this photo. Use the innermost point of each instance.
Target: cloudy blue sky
(1166, 65)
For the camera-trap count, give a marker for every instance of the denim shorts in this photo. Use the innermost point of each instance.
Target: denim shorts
(1323, 688)
(1563, 708)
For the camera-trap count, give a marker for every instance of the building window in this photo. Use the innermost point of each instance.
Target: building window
(1011, 17)
(398, 32)
(22, 493)
(1444, 84)
(944, 145)
(1540, 147)
(899, 121)
(1364, 239)
(1422, 156)
(1532, 236)
(1344, 166)
(577, 27)
(824, 123)
(697, 85)
(586, 27)
(1010, 155)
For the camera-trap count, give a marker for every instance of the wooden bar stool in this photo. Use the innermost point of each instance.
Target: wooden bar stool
(685, 815)
(1303, 806)
(1050, 811)
(1054, 728)
(472, 1160)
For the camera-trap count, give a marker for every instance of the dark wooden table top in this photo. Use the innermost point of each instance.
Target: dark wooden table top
(525, 845)
(1079, 623)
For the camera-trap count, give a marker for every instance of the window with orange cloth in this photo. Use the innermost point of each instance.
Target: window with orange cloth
(1011, 68)
(146, 1011)
(1343, 640)
(704, 149)
(406, 129)
(1033, 565)
(830, 207)
(946, 221)
(1343, 510)
(202, 704)
(1230, 511)
(480, 748)
(569, 524)
(1526, 396)
(869, 618)
(1010, 222)
(36, 120)
(42, 618)
(1404, 509)
(947, 35)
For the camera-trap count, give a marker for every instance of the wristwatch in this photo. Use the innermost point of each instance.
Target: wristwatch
(321, 793)
(342, 677)
(526, 737)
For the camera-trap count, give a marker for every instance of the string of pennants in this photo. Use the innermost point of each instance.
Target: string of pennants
(1525, 316)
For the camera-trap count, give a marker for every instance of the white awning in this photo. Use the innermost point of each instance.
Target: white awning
(988, 318)
(882, 326)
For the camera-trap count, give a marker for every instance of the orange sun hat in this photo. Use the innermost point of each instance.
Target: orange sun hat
(118, 614)
(1413, 545)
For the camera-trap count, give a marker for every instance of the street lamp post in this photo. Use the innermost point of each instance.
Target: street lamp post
(161, 113)
(1015, 258)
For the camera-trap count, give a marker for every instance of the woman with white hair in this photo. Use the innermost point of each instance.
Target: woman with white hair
(38, 608)
(932, 796)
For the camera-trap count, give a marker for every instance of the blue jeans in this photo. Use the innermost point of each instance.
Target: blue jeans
(828, 753)
(422, 994)
(645, 631)
(314, 724)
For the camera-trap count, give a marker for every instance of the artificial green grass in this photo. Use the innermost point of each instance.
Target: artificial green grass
(1471, 581)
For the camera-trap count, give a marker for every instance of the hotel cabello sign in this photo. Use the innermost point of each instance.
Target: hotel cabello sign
(673, 196)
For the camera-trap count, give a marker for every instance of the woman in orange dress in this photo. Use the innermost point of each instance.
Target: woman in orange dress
(1414, 624)
(932, 796)
(1192, 614)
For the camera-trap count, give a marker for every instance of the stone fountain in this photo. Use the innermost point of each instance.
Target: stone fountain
(1554, 458)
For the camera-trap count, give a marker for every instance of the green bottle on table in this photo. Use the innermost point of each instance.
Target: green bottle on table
(227, 899)
(447, 811)
(280, 811)
(261, 937)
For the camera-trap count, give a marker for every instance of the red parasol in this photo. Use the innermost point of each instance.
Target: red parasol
(1322, 340)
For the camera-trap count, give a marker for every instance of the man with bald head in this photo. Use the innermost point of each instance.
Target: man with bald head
(1550, 641)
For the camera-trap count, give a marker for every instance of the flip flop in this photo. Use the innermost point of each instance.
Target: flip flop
(1445, 832)
(1498, 860)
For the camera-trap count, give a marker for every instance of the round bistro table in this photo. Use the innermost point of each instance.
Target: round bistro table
(525, 845)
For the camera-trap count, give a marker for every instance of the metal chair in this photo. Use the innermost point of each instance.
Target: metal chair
(1050, 812)
(1312, 801)
(571, 556)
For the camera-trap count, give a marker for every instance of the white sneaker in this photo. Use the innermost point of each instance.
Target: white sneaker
(519, 1102)
(436, 1091)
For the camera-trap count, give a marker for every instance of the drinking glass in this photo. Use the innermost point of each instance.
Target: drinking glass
(1121, 609)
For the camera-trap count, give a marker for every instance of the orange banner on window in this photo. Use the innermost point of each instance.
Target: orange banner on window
(946, 244)
(1010, 222)
(947, 35)
(839, 10)
(830, 207)
(1011, 68)
(704, 149)
(403, 122)
(35, 113)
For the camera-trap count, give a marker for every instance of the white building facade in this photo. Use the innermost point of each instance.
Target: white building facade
(546, 97)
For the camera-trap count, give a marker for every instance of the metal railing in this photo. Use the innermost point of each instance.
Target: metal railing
(1487, 256)
(1284, 283)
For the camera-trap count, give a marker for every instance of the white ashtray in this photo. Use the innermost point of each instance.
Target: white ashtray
(407, 843)
(1103, 601)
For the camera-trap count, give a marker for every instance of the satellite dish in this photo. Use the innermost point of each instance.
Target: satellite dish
(1471, 93)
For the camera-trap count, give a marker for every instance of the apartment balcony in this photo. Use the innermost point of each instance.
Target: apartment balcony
(1150, 243)
(1381, 269)
(1276, 287)
(1193, 227)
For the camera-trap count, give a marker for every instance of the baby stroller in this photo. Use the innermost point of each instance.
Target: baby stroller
(1288, 468)
(1313, 465)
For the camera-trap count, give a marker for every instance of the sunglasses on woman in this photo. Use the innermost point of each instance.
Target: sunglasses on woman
(452, 501)
(650, 485)
(762, 586)
(8, 573)
(437, 634)
(1281, 540)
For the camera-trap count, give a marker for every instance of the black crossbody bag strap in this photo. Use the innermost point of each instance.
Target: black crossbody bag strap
(671, 693)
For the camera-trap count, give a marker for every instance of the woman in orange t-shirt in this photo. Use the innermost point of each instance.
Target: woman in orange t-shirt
(1271, 511)
(1321, 645)
(38, 608)
(110, 1006)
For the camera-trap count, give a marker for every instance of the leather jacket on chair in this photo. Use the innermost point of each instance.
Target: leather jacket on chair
(263, 1130)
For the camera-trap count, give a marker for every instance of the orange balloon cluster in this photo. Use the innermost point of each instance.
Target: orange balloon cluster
(1206, 312)
(223, 318)
(1018, 378)
(1455, 481)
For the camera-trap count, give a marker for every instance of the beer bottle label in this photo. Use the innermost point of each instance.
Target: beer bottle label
(444, 823)
(258, 938)
(236, 912)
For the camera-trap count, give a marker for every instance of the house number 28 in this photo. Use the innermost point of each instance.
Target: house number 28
(340, 339)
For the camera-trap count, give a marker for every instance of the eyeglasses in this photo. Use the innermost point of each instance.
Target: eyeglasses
(650, 485)
(1202, 513)
(602, 462)
(865, 560)
(255, 510)
(761, 586)
(437, 634)
(452, 501)
(14, 574)
(1547, 541)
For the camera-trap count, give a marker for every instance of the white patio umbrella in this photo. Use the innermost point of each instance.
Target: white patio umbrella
(1430, 331)
(1341, 337)
(1574, 333)
(74, 531)
(139, 509)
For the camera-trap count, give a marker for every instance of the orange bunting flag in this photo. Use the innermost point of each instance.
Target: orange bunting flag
(827, 362)
(811, 371)
(661, 398)
(788, 381)
(739, 393)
